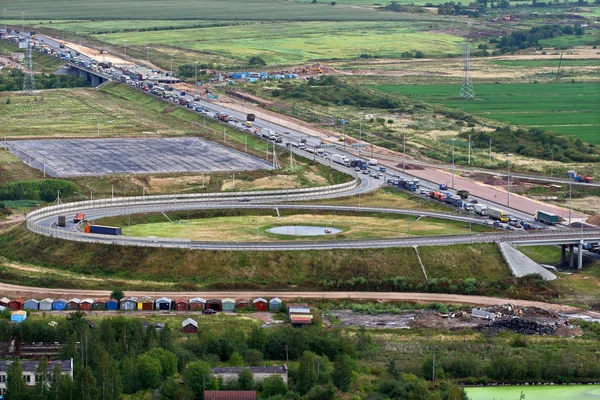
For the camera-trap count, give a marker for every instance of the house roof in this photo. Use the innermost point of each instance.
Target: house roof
(5, 300)
(277, 369)
(146, 300)
(299, 310)
(31, 366)
(189, 321)
(134, 299)
(87, 301)
(214, 301)
(242, 301)
(17, 300)
(164, 300)
(181, 301)
(229, 395)
(47, 300)
(59, 301)
(75, 300)
(197, 300)
(34, 300)
(258, 300)
(275, 300)
(228, 300)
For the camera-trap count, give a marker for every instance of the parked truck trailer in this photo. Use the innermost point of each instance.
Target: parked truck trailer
(103, 230)
(480, 209)
(546, 217)
(62, 221)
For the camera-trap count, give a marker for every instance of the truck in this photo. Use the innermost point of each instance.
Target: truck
(546, 217)
(410, 185)
(103, 230)
(223, 117)
(372, 161)
(79, 217)
(480, 209)
(340, 159)
(464, 194)
(266, 133)
(250, 117)
(496, 214)
(62, 221)
(456, 200)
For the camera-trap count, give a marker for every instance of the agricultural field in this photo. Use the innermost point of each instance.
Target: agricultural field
(568, 108)
(295, 42)
(254, 227)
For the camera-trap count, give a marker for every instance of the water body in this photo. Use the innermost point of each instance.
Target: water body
(303, 230)
(576, 392)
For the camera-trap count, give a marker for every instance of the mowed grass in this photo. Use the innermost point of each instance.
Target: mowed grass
(254, 228)
(187, 10)
(290, 42)
(567, 108)
(566, 62)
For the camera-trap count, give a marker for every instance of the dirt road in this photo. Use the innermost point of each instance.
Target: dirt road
(28, 292)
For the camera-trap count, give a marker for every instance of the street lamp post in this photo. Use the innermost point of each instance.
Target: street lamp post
(508, 184)
(570, 197)
(171, 71)
(453, 140)
(404, 149)
(196, 77)
(125, 49)
(552, 164)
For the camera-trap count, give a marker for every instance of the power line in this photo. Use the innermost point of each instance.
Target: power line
(466, 89)
(29, 79)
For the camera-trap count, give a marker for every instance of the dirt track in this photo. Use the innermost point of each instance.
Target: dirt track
(27, 292)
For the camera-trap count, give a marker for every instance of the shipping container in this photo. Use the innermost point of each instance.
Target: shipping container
(62, 221)
(546, 217)
(103, 230)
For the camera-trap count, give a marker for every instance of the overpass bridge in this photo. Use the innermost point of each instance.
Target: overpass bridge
(95, 78)
(579, 239)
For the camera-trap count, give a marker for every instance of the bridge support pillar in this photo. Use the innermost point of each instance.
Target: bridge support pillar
(563, 254)
(571, 255)
(580, 255)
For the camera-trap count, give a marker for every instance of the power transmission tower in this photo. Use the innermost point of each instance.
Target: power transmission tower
(292, 161)
(276, 164)
(29, 79)
(466, 89)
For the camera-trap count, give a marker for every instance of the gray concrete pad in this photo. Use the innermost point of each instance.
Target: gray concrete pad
(521, 265)
(65, 158)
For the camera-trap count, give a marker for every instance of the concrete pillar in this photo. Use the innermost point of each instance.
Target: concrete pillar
(96, 80)
(571, 255)
(563, 254)
(580, 255)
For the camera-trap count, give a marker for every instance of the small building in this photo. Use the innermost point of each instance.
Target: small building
(16, 304)
(2, 308)
(145, 304)
(189, 326)
(86, 304)
(112, 304)
(59, 304)
(275, 304)
(4, 301)
(128, 303)
(298, 310)
(31, 304)
(259, 373)
(241, 303)
(214, 304)
(480, 313)
(230, 395)
(164, 304)
(228, 304)
(300, 320)
(181, 305)
(260, 304)
(295, 305)
(99, 305)
(30, 367)
(46, 304)
(73, 304)
(18, 316)
(197, 304)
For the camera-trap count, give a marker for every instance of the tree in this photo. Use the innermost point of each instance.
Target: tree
(273, 386)
(117, 293)
(42, 378)
(169, 390)
(149, 372)
(307, 374)
(343, 372)
(256, 61)
(62, 385)
(16, 387)
(254, 357)
(168, 361)
(245, 380)
(236, 360)
(108, 377)
(198, 377)
(85, 385)
(129, 374)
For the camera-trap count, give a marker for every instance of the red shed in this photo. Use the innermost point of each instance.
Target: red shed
(16, 304)
(189, 326)
(181, 305)
(241, 303)
(86, 304)
(260, 304)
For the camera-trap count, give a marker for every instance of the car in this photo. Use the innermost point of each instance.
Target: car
(424, 191)
(286, 132)
(509, 228)
(209, 311)
(357, 169)
(375, 176)
(244, 200)
(380, 175)
(366, 171)
(512, 219)
(474, 201)
(497, 224)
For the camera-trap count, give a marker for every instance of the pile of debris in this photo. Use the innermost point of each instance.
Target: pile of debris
(518, 325)
(509, 310)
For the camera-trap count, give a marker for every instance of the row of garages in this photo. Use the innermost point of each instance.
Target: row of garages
(144, 304)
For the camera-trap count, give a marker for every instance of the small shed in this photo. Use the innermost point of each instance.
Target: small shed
(4, 301)
(73, 304)
(214, 304)
(46, 304)
(59, 304)
(197, 304)
(112, 304)
(86, 304)
(164, 304)
(16, 304)
(298, 310)
(228, 304)
(260, 304)
(18, 316)
(301, 320)
(189, 326)
(275, 304)
(230, 394)
(2, 308)
(145, 304)
(241, 303)
(31, 304)
(99, 305)
(128, 303)
(181, 305)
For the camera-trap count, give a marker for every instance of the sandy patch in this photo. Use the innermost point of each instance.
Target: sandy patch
(587, 204)
(268, 182)
(173, 184)
(315, 178)
(93, 53)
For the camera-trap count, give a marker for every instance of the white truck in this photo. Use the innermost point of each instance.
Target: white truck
(320, 152)
(372, 161)
(267, 133)
(340, 159)
(480, 209)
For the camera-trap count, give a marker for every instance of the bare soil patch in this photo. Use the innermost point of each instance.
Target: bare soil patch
(268, 182)
(161, 185)
(595, 220)
(94, 53)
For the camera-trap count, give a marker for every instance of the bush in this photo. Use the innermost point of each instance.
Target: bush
(257, 61)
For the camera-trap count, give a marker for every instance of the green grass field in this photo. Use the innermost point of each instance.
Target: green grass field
(187, 10)
(285, 42)
(566, 62)
(571, 109)
(41, 63)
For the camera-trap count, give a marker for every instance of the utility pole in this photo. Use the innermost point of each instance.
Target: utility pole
(490, 151)
(570, 196)
(98, 128)
(508, 185)
(148, 55)
(404, 146)
(360, 138)
(453, 140)
(552, 164)
(5, 21)
(171, 71)
(125, 49)
(196, 78)
(23, 24)
(469, 149)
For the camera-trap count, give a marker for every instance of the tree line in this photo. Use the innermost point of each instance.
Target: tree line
(12, 80)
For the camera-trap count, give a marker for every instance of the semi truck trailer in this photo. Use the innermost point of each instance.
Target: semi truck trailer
(499, 215)
(340, 159)
(103, 230)
(546, 217)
